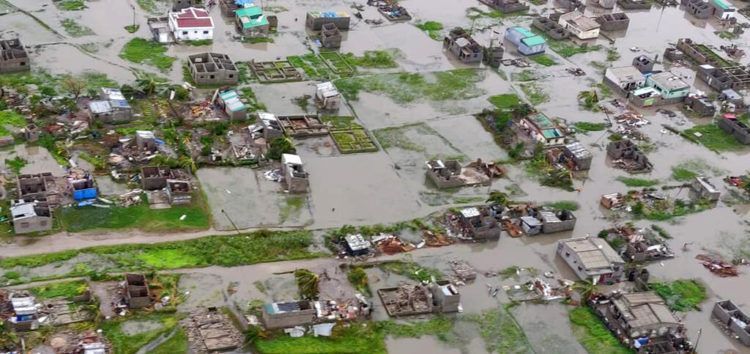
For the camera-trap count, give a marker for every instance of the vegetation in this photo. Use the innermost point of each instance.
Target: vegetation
(358, 277)
(12, 119)
(397, 137)
(410, 87)
(505, 101)
(524, 75)
(712, 137)
(349, 136)
(567, 49)
(681, 295)
(689, 169)
(132, 28)
(589, 100)
(612, 54)
(638, 182)
(377, 59)
(70, 5)
(16, 164)
(592, 334)
(126, 343)
(412, 270)
(148, 5)
(660, 231)
(500, 331)
(569, 205)
(66, 289)
(75, 29)
(140, 216)
(177, 343)
(144, 51)
(543, 59)
(280, 146)
(307, 283)
(198, 42)
(534, 93)
(683, 174)
(547, 174)
(355, 338)
(475, 13)
(590, 126)
(312, 65)
(432, 28)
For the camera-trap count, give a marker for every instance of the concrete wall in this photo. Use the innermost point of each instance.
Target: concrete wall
(288, 319)
(33, 224)
(316, 23)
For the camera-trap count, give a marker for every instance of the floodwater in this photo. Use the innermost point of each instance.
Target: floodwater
(389, 185)
(38, 159)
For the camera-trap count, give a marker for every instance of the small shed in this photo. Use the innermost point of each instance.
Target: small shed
(230, 103)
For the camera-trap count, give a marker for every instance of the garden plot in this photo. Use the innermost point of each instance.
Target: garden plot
(244, 197)
(349, 136)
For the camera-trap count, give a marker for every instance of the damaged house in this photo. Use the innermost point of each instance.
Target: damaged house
(23, 311)
(330, 36)
(702, 189)
(40, 186)
(288, 314)
(506, 6)
(624, 79)
(527, 42)
(30, 216)
(698, 8)
(450, 173)
(739, 130)
(542, 129)
(700, 104)
(592, 258)
(294, 177)
(550, 28)
(617, 21)
(13, 56)
(735, 320)
(573, 156)
(643, 63)
(580, 26)
(170, 185)
(212, 69)
(660, 89)
(418, 299)
(463, 47)
(137, 295)
(269, 126)
(211, 331)
(159, 27)
(111, 108)
(474, 224)
(724, 78)
(231, 104)
(544, 221)
(626, 155)
(327, 97)
(639, 245)
(643, 321)
(315, 20)
(634, 4)
(82, 185)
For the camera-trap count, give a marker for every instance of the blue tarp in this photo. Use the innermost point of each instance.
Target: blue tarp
(83, 194)
(244, 3)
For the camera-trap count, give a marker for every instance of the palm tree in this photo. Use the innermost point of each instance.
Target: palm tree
(307, 282)
(586, 288)
(150, 84)
(588, 98)
(498, 198)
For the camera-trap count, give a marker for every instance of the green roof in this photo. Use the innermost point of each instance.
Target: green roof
(541, 121)
(551, 133)
(533, 40)
(251, 17)
(721, 4)
(524, 31)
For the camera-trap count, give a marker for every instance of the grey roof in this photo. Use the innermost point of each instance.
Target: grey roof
(669, 81)
(578, 150)
(626, 73)
(357, 242)
(100, 107)
(644, 309)
(593, 252)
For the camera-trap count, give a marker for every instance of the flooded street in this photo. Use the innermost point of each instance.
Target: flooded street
(409, 126)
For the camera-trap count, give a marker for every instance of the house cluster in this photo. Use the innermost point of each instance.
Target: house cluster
(701, 9)
(637, 245)
(486, 223)
(649, 89)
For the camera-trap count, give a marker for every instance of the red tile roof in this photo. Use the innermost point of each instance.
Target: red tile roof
(192, 17)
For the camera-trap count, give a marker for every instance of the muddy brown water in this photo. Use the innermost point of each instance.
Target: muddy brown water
(367, 188)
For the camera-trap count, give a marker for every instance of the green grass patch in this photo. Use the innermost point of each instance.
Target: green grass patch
(726, 35)
(144, 51)
(177, 343)
(505, 101)
(638, 182)
(567, 49)
(70, 5)
(612, 54)
(500, 331)
(524, 75)
(358, 278)
(681, 295)
(543, 59)
(475, 13)
(396, 137)
(75, 29)
(409, 87)
(148, 5)
(140, 216)
(712, 137)
(349, 136)
(66, 289)
(376, 59)
(357, 338)
(198, 42)
(412, 270)
(125, 343)
(534, 93)
(292, 206)
(132, 28)
(433, 29)
(593, 334)
(569, 205)
(687, 170)
(312, 65)
(16, 164)
(590, 126)
(12, 119)
(683, 174)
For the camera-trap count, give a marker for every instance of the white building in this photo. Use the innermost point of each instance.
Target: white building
(592, 259)
(327, 97)
(579, 25)
(191, 24)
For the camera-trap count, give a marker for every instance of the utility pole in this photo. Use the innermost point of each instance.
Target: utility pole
(133, 7)
(231, 222)
(700, 331)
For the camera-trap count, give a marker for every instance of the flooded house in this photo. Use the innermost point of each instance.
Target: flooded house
(644, 63)
(660, 89)
(550, 28)
(617, 21)
(137, 294)
(178, 5)
(13, 56)
(580, 26)
(733, 319)
(701, 188)
(724, 78)
(739, 130)
(698, 8)
(700, 53)
(191, 24)
(567, 6)
(606, 4)
(330, 36)
(527, 42)
(463, 47)
(213, 69)
(327, 96)
(294, 177)
(506, 6)
(625, 154)
(30, 216)
(231, 104)
(542, 129)
(722, 9)
(639, 245)
(228, 7)
(316, 19)
(393, 11)
(419, 299)
(250, 21)
(475, 224)
(700, 104)
(111, 108)
(643, 321)
(557, 221)
(269, 126)
(303, 125)
(578, 156)
(446, 297)
(450, 174)
(288, 314)
(160, 31)
(624, 79)
(592, 258)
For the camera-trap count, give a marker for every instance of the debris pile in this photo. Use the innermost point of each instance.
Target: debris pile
(717, 266)
(210, 330)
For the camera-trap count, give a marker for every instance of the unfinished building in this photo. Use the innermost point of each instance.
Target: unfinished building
(13, 56)
(698, 8)
(406, 300)
(506, 6)
(156, 177)
(478, 224)
(701, 105)
(295, 178)
(700, 53)
(618, 21)
(643, 320)
(316, 19)
(327, 97)
(738, 129)
(137, 294)
(463, 47)
(732, 318)
(625, 154)
(288, 314)
(450, 174)
(30, 216)
(210, 331)
(724, 78)
(330, 36)
(212, 69)
(275, 71)
(302, 126)
(551, 28)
